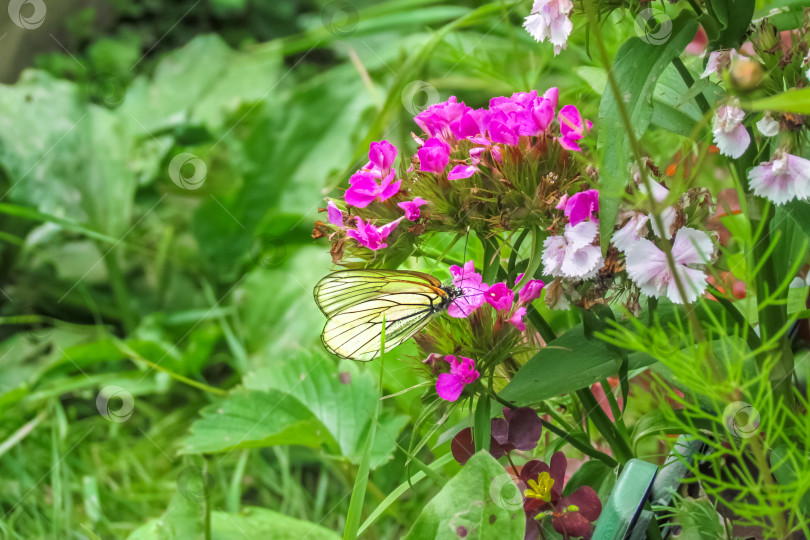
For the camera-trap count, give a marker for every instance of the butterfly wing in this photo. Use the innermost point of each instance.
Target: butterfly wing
(355, 301)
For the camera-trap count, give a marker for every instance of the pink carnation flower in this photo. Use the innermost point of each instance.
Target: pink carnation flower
(573, 254)
(436, 119)
(334, 214)
(647, 265)
(572, 127)
(411, 208)
(581, 206)
(500, 297)
(549, 20)
(364, 188)
(460, 172)
(371, 236)
(784, 178)
(730, 135)
(473, 288)
(433, 156)
(449, 386)
(531, 290)
(381, 156)
(517, 319)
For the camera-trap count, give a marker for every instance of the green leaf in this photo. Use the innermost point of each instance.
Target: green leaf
(592, 473)
(636, 68)
(181, 521)
(63, 156)
(791, 101)
(474, 505)
(568, 363)
(253, 522)
(790, 474)
(291, 154)
(342, 396)
(734, 17)
(254, 419)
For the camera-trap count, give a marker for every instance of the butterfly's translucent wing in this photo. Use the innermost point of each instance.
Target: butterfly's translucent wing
(355, 301)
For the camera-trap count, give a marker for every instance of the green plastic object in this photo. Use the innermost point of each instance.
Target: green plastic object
(623, 516)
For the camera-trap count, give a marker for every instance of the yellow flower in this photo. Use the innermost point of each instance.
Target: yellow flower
(541, 489)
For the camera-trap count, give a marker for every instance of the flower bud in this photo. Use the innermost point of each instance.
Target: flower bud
(745, 74)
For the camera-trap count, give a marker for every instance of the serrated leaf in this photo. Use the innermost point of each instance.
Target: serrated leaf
(341, 396)
(255, 419)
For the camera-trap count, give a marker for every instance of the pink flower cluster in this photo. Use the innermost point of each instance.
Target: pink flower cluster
(524, 114)
(475, 293)
(376, 181)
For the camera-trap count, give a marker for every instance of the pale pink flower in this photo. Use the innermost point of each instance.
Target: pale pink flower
(668, 215)
(449, 386)
(411, 208)
(730, 134)
(635, 228)
(719, 60)
(517, 319)
(647, 266)
(573, 254)
(549, 20)
(784, 178)
(371, 236)
(768, 126)
(334, 214)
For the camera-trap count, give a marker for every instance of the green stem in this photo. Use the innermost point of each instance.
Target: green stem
(120, 292)
(583, 447)
(700, 99)
(772, 315)
(621, 449)
(540, 324)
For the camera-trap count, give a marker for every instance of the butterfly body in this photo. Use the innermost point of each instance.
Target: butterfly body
(356, 302)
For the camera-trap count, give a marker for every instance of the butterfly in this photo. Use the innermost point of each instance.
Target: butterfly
(355, 302)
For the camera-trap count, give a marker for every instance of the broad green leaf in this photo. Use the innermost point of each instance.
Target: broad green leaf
(275, 304)
(253, 522)
(341, 396)
(674, 108)
(181, 78)
(63, 156)
(790, 473)
(255, 419)
(637, 66)
(476, 504)
(291, 154)
(734, 17)
(784, 14)
(791, 101)
(568, 363)
(183, 520)
(592, 473)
